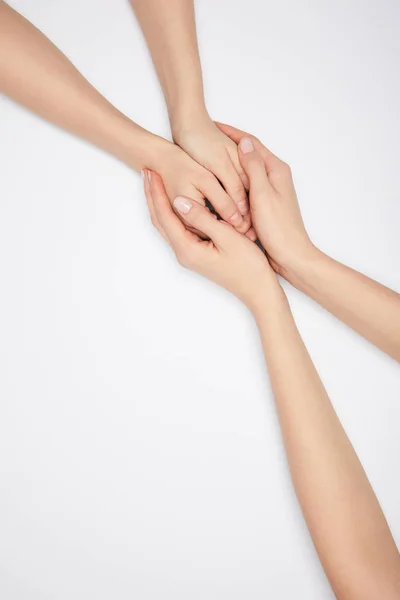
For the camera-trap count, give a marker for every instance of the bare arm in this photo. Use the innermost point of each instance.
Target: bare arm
(170, 32)
(36, 74)
(368, 307)
(345, 520)
(343, 515)
(346, 523)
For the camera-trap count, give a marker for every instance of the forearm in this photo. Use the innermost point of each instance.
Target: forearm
(343, 515)
(34, 73)
(369, 308)
(170, 32)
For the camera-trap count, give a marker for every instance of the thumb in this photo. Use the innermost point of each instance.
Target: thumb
(254, 166)
(200, 218)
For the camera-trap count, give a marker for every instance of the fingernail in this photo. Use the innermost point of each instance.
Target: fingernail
(243, 206)
(246, 145)
(252, 235)
(236, 218)
(182, 205)
(149, 176)
(142, 174)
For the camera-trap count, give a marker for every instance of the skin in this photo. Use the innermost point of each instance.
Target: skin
(349, 530)
(173, 46)
(368, 307)
(34, 73)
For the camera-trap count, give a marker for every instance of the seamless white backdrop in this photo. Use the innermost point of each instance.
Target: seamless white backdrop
(140, 455)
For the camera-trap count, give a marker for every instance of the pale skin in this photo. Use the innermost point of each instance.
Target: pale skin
(347, 525)
(170, 32)
(368, 307)
(34, 73)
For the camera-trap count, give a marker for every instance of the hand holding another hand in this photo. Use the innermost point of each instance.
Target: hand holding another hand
(210, 147)
(227, 258)
(274, 207)
(183, 176)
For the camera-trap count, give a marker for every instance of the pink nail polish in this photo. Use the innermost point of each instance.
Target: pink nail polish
(246, 145)
(243, 206)
(182, 205)
(236, 218)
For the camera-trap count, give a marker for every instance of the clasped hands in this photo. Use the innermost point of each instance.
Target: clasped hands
(228, 257)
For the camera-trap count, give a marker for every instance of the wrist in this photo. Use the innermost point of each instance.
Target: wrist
(187, 117)
(129, 142)
(141, 149)
(268, 297)
(156, 153)
(300, 269)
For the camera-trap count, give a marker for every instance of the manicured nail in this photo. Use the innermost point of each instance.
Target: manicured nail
(246, 145)
(182, 205)
(243, 206)
(236, 218)
(142, 174)
(149, 176)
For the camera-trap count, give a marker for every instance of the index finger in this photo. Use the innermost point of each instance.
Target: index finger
(224, 205)
(150, 204)
(172, 225)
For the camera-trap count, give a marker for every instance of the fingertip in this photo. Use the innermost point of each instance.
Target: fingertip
(251, 234)
(146, 187)
(155, 182)
(182, 205)
(236, 220)
(246, 145)
(243, 207)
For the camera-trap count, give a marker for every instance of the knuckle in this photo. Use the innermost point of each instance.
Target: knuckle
(258, 161)
(244, 227)
(226, 209)
(256, 167)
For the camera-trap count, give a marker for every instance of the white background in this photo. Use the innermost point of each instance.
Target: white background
(140, 453)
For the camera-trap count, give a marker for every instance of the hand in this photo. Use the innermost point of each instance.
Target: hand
(227, 258)
(182, 176)
(274, 208)
(212, 149)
